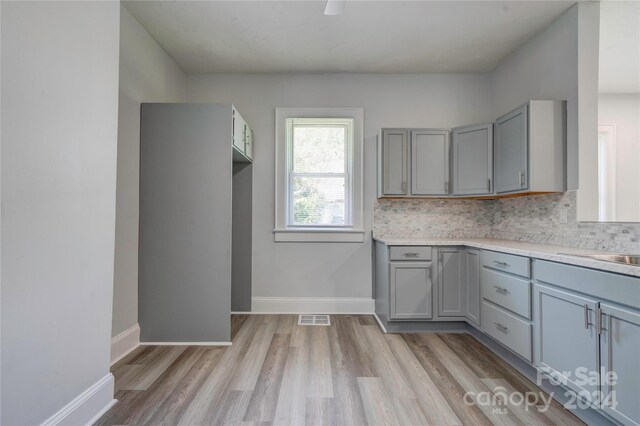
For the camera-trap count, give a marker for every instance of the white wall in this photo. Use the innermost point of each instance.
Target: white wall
(332, 269)
(623, 111)
(147, 74)
(59, 124)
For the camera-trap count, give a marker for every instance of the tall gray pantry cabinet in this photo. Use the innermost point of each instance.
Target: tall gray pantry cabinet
(195, 167)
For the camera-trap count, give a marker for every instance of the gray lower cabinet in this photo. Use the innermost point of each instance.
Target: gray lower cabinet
(472, 157)
(429, 162)
(393, 165)
(452, 282)
(567, 338)
(473, 285)
(620, 349)
(410, 290)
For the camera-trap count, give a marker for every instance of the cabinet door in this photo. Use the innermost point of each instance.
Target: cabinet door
(566, 338)
(239, 131)
(410, 290)
(472, 159)
(620, 346)
(429, 162)
(394, 162)
(473, 286)
(452, 291)
(511, 152)
(248, 143)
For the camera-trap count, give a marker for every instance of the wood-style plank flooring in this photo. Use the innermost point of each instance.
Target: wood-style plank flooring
(350, 373)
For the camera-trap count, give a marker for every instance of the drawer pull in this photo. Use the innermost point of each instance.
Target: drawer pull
(499, 263)
(411, 255)
(502, 327)
(500, 289)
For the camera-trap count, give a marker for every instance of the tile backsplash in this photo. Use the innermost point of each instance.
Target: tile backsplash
(432, 218)
(548, 219)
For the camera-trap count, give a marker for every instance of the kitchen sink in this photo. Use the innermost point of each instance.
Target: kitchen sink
(626, 259)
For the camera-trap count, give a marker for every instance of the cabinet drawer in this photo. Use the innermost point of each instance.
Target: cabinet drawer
(507, 291)
(409, 253)
(507, 329)
(517, 265)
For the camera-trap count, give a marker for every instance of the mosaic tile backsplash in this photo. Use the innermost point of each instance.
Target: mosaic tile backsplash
(536, 219)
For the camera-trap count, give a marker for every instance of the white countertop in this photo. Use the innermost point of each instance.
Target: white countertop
(534, 250)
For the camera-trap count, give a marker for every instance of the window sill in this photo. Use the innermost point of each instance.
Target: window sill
(317, 235)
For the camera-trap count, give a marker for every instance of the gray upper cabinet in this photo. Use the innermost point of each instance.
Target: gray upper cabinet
(472, 159)
(529, 149)
(429, 162)
(393, 162)
(242, 138)
(620, 346)
(566, 336)
(512, 151)
(473, 285)
(410, 289)
(452, 280)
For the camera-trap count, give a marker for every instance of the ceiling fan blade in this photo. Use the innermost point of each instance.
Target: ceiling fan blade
(334, 7)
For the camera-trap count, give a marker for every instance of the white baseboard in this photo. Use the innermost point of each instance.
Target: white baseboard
(124, 343)
(88, 407)
(312, 305)
(185, 343)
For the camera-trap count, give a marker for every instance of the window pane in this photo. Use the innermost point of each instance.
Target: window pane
(318, 149)
(318, 201)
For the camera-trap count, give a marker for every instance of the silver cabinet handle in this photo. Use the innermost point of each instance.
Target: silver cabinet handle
(500, 289)
(586, 317)
(446, 187)
(411, 255)
(428, 273)
(497, 262)
(598, 321)
(501, 326)
(404, 186)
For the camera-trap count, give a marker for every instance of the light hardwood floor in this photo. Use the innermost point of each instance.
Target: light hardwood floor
(350, 373)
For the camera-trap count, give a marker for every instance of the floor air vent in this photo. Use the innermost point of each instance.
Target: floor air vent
(314, 320)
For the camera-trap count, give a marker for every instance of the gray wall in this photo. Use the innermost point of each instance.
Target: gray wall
(59, 124)
(332, 269)
(185, 223)
(147, 74)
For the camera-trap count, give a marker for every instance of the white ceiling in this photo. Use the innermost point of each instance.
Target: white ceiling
(369, 37)
(619, 47)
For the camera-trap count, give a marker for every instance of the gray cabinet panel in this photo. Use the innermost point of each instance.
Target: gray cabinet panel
(511, 152)
(410, 290)
(410, 253)
(510, 263)
(507, 291)
(394, 162)
(429, 162)
(620, 346)
(566, 337)
(511, 331)
(452, 283)
(473, 286)
(472, 159)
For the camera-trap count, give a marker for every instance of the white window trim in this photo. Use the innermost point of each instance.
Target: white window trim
(284, 233)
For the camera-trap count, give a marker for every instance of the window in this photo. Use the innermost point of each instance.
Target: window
(319, 175)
